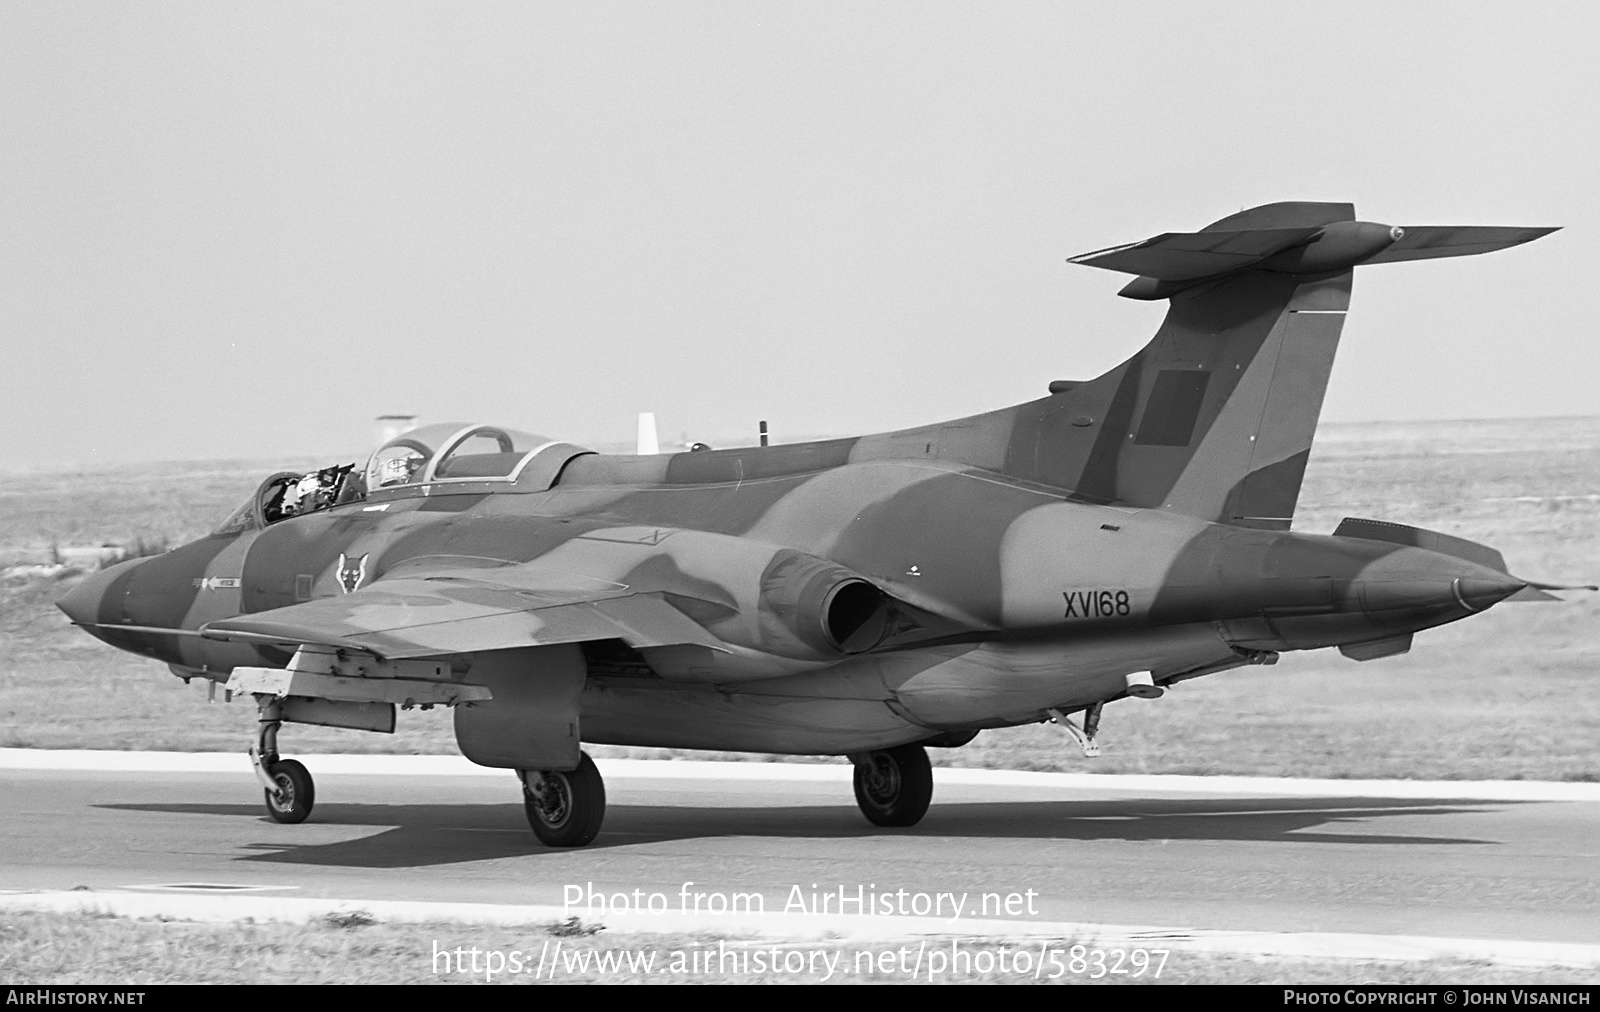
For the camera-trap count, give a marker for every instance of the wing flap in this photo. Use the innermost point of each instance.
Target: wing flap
(407, 618)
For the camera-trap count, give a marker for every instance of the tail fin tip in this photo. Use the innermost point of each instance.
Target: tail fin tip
(1297, 238)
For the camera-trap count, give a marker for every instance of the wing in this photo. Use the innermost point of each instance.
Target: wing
(410, 617)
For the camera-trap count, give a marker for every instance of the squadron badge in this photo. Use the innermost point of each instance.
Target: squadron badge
(351, 572)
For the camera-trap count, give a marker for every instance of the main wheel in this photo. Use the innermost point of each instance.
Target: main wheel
(565, 809)
(296, 792)
(895, 786)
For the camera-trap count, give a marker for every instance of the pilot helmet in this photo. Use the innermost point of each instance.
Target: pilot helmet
(399, 470)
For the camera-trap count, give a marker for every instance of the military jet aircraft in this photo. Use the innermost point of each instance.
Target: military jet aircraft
(867, 597)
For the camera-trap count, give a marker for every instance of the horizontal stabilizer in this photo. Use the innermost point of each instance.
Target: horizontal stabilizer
(1417, 537)
(1184, 256)
(1425, 242)
(1289, 238)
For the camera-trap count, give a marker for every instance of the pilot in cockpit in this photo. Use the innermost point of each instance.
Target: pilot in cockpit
(316, 490)
(302, 496)
(401, 469)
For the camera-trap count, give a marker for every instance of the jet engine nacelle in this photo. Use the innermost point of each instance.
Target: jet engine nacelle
(822, 604)
(777, 611)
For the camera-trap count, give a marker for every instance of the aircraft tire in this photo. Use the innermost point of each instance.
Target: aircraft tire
(299, 792)
(895, 786)
(565, 809)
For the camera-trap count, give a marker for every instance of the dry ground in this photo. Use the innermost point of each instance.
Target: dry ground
(1514, 693)
(41, 948)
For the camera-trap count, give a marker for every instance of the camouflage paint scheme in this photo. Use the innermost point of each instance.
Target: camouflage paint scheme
(857, 594)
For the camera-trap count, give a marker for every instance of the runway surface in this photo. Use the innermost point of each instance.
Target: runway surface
(1518, 863)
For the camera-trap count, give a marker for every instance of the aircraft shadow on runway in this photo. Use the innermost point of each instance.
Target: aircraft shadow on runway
(420, 835)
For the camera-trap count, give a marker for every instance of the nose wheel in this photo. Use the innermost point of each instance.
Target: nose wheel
(895, 786)
(565, 807)
(286, 784)
(295, 793)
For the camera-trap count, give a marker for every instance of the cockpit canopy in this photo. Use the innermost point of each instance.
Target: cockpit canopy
(436, 454)
(451, 451)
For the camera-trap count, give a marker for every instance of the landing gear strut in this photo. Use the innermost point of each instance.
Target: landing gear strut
(1084, 735)
(287, 784)
(565, 808)
(894, 786)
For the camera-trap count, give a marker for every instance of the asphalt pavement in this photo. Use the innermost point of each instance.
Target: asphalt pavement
(1518, 863)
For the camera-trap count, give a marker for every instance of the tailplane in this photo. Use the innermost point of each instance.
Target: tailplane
(1214, 418)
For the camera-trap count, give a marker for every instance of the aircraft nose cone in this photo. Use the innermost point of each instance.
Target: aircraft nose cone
(1476, 595)
(82, 603)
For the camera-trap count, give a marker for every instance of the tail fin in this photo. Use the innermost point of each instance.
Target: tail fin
(1214, 418)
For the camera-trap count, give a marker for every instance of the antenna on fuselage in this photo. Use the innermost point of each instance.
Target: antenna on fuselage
(648, 444)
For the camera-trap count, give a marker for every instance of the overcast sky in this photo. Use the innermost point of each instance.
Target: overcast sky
(245, 229)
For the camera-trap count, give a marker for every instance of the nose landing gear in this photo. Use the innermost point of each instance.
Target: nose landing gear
(295, 793)
(287, 784)
(895, 786)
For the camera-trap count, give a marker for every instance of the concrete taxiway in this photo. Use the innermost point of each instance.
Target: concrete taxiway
(1507, 867)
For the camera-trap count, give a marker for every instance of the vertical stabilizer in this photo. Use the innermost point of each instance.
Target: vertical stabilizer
(1214, 418)
(1247, 467)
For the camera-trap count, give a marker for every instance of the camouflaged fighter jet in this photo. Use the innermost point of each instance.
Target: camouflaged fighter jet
(865, 597)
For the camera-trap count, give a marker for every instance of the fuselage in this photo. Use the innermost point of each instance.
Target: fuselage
(1012, 599)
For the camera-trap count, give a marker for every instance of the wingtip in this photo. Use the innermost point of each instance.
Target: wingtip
(1533, 232)
(1085, 258)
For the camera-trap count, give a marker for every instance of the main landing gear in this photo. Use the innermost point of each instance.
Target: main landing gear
(565, 808)
(287, 784)
(895, 786)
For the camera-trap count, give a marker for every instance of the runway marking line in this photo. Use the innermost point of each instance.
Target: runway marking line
(212, 888)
